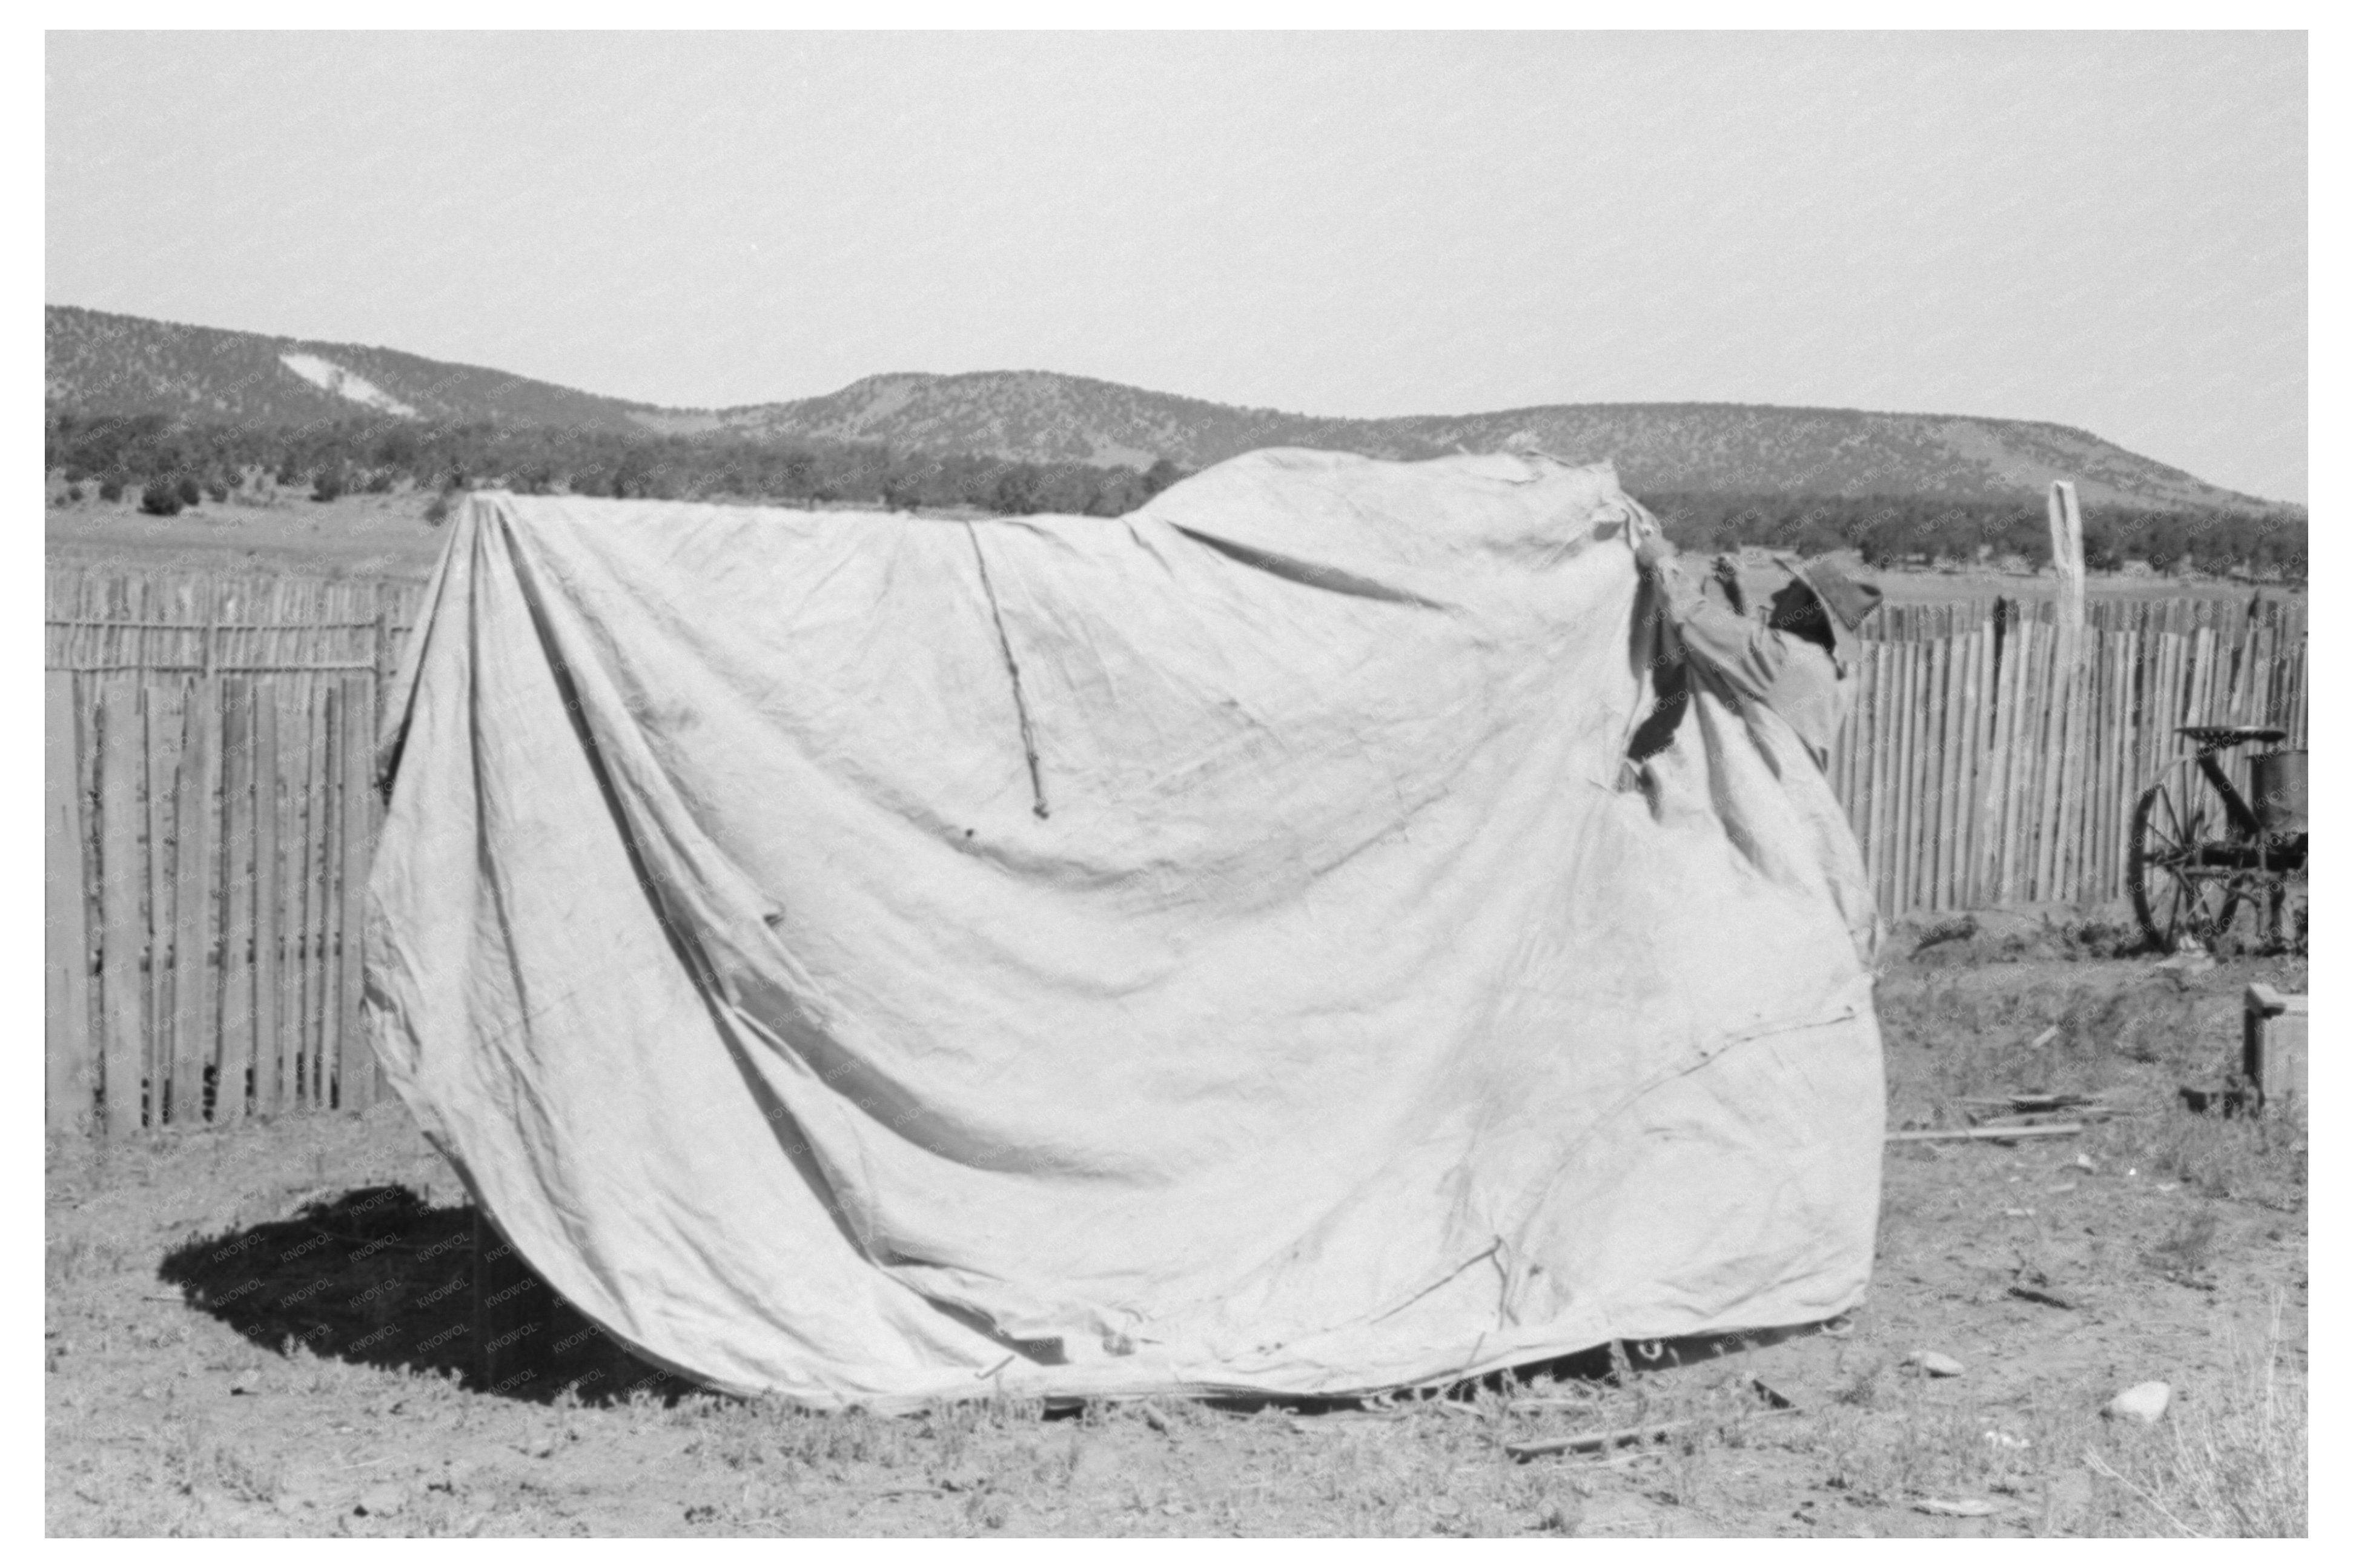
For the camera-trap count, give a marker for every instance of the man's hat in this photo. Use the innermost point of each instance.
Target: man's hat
(1847, 600)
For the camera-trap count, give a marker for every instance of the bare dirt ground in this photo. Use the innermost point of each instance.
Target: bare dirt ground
(265, 1330)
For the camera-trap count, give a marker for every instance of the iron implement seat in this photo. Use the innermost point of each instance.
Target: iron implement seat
(2214, 737)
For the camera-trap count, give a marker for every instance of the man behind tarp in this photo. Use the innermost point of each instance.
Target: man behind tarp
(1798, 661)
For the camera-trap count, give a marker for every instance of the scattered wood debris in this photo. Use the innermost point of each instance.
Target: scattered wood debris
(2035, 1109)
(1600, 1442)
(1955, 1508)
(2230, 1100)
(2040, 1298)
(1987, 1135)
(1773, 1398)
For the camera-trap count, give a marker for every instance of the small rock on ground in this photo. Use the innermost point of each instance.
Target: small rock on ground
(383, 1501)
(1935, 1363)
(2143, 1402)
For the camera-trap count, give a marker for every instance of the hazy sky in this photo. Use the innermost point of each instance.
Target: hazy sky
(2108, 231)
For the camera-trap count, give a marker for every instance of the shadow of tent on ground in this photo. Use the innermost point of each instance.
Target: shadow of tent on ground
(377, 1277)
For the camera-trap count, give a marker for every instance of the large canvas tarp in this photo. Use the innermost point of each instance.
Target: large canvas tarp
(876, 958)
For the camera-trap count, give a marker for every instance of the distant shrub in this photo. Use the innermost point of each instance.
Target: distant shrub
(379, 482)
(109, 489)
(190, 492)
(900, 492)
(1017, 491)
(217, 488)
(436, 510)
(73, 493)
(1118, 492)
(328, 483)
(160, 497)
(397, 448)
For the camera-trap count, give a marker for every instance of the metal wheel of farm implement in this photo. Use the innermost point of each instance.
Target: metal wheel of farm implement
(2180, 886)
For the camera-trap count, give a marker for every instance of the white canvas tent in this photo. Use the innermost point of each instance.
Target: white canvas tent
(876, 959)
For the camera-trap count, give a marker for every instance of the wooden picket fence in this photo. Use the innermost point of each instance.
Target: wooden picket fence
(1975, 775)
(210, 822)
(211, 815)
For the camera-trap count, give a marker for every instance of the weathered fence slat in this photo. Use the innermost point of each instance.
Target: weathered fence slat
(1905, 710)
(315, 850)
(1921, 786)
(1915, 770)
(1979, 711)
(2015, 738)
(294, 739)
(1980, 745)
(1945, 754)
(2301, 684)
(197, 878)
(1940, 766)
(2098, 803)
(2001, 654)
(1926, 775)
(1851, 745)
(2034, 757)
(1953, 654)
(2156, 729)
(1897, 708)
(232, 1088)
(357, 1079)
(1882, 662)
(269, 1079)
(2041, 806)
(2052, 864)
(329, 926)
(121, 896)
(2074, 873)
(2132, 673)
(1918, 808)
(64, 945)
(166, 710)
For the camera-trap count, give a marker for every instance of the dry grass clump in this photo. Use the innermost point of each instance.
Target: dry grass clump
(2257, 1159)
(1950, 1036)
(2236, 1465)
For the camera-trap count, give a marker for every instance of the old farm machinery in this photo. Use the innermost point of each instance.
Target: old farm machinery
(2215, 866)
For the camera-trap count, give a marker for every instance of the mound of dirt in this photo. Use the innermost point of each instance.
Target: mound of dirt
(2017, 934)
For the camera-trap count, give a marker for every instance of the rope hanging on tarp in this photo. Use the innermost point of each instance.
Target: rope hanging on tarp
(1012, 669)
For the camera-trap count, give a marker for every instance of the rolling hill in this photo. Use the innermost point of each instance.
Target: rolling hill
(102, 364)
(98, 363)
